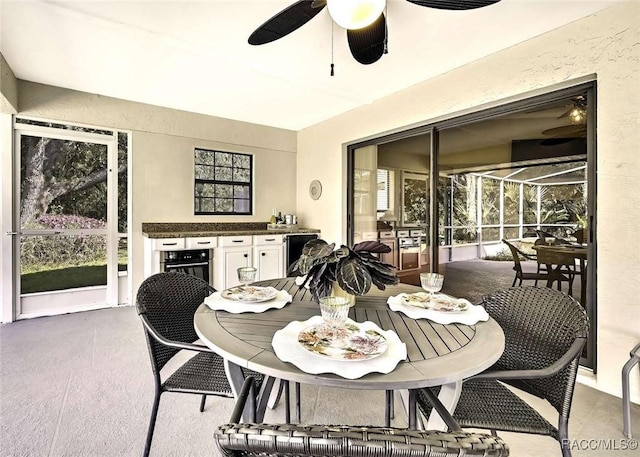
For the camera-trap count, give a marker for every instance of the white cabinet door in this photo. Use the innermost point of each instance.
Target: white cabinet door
(269, 260)
(226, 264)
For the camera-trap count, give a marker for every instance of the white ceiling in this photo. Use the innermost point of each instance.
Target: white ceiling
(194, 55)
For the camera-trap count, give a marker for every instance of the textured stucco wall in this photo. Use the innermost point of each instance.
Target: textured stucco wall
(606, 44)
(162, 144)
(8, 88)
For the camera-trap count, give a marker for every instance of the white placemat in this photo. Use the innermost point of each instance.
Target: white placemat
(288, 349)
(216, 302)
(472, 315)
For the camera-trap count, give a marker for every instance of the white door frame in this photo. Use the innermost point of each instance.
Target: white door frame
(62, 301)
(6, 218)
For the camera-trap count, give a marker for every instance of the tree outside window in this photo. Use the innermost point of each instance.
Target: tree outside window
(223, 182)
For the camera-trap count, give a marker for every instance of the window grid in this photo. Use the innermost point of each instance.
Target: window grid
(223, 182)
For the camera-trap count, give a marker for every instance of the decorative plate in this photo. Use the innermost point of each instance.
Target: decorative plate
(351, 342)
(250, 294)
(315, 189)
(287, 349)
(440, 302)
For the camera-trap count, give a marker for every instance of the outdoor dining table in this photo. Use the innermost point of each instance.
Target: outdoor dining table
(437, 355)
(557, 256)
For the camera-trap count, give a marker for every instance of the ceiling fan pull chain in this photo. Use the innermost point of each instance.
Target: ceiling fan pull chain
(332, 73)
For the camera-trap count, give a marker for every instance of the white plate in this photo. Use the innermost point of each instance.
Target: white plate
(217, 303)
(250, 294)
(350, 343)
(471, 316)
(286, 349)
(440, 302)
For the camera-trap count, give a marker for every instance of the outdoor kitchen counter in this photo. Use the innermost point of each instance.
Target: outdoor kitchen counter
(183, 230)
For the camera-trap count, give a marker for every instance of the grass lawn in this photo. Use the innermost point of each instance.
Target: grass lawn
(65, 278)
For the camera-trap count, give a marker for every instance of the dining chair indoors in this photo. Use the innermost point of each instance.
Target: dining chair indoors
(521, 275)
(545, 331)
(166, 303)
(258, 439)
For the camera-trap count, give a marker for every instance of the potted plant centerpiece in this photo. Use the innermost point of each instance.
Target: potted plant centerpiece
(331, 271)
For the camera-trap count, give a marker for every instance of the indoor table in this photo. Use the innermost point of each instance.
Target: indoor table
(437, 355)
(557, 256)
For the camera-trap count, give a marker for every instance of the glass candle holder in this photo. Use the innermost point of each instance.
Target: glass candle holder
(247, 275)
(334, 311)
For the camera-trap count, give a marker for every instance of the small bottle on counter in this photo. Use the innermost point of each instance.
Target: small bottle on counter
(274, 218)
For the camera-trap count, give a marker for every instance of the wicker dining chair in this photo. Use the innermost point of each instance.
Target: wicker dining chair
(257, 439)
(541, 273)
(545, 331)
(166, 303)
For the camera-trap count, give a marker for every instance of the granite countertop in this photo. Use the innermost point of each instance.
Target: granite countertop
(183, 230)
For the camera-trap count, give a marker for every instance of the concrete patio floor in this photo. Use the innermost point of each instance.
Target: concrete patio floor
(81, 385)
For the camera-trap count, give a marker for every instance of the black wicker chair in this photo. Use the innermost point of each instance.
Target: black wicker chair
(545, 331)
(251, 439)
(541, 273)
(166, 303)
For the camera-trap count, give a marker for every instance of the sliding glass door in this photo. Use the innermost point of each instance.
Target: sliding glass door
(516, 172)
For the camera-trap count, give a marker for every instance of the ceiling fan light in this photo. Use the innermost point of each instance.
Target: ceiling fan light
(577, 115)
(355, 14)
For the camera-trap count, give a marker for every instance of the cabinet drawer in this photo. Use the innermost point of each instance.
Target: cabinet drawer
(367, 236)
(226, 241)
(402, 233)
(260, 240)
(167, 244)
(202, 242)
(388, 234)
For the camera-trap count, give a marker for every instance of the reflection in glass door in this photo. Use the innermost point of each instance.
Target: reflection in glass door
(522, 172)
(67, 248)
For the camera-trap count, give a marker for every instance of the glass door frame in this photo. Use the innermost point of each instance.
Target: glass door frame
(521, 103)
(111, 230)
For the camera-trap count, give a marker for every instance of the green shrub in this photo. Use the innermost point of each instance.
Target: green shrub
(48, 252)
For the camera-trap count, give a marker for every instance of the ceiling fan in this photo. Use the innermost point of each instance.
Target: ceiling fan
(364, 20)
(577, 114)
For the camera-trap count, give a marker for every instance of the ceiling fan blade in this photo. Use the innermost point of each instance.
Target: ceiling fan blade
(566, 113)
(566, 130)
(454, 4)
(286, 21)
(556, 141)
(368, 44)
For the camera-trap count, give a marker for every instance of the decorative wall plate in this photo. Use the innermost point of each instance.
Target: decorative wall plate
(315, 189)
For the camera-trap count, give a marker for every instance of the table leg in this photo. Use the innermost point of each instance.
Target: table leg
(413, 396)
(449, 396)
(263, 397)
(276, 393)
(236, 379)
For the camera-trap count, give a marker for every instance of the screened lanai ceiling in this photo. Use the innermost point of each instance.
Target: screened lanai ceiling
(549, 174)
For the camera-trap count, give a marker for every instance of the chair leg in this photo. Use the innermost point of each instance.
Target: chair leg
(514, 281)
(563, 436)
(152, 423)
(202, 401)
(626, 402)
